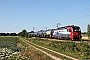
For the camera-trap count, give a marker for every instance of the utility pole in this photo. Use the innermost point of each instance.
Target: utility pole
(58, 24)
(46, 28)
(33, 29)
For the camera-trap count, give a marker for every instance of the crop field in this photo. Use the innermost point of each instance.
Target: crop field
(8, 42)
(12, 48)
(78, 50)
(85, 38)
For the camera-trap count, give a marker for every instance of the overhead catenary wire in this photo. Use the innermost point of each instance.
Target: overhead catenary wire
(67, 18)
(77, 13)
(81, 17)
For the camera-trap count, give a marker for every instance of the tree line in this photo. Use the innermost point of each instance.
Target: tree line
(8, 34)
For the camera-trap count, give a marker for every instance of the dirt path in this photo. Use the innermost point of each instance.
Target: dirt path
(55, 52)
(50, 55)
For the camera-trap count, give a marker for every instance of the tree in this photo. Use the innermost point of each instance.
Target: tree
(13, 34)
(88, 31)
(23, 33)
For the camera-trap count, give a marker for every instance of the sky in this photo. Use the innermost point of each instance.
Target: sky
(16, 15)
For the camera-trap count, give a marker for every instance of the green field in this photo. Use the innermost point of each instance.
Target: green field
(12, 48)
(77, 50)
(8, 42)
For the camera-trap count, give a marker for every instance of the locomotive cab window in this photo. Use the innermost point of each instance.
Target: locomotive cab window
(76, 29)
(69, 30)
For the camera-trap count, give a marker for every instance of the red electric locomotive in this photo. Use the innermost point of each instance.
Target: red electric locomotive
(67, 32)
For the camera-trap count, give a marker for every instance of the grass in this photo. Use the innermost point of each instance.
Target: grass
(8, 36)
(8, 42)
(54, 54)
(28, 51)
(78, 50)
(34, 54)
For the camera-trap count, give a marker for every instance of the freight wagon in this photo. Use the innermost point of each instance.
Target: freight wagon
(67, 32)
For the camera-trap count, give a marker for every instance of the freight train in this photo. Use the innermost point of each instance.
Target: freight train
(66, 32)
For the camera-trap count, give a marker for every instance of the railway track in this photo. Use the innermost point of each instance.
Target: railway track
(50, 55)
(76, 41)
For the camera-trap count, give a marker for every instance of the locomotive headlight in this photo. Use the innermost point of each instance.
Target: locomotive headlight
(74, 30)
(72, 34)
